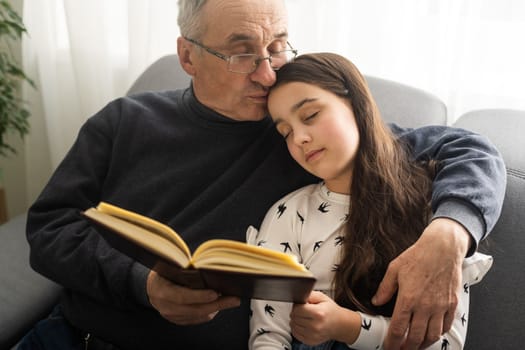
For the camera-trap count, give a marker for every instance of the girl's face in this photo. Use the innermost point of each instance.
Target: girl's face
(320, 131)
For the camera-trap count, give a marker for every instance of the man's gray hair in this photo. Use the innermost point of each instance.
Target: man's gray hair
(189, 19)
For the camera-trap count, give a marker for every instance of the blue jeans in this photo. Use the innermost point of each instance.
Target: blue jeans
(53, 332)
(329, 345)
(56, 333)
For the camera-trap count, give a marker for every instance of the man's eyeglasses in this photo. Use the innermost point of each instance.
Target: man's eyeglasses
(248, 62)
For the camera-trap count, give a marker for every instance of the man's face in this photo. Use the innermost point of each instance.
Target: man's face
(238, 27)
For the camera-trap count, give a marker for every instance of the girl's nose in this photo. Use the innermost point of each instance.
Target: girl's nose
(301, 137)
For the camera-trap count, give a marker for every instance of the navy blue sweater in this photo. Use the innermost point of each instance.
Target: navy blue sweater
(167, 156)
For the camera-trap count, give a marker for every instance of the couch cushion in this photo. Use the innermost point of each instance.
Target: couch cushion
(25, 296)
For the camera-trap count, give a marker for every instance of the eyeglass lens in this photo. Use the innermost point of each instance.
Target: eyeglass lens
(248, 63)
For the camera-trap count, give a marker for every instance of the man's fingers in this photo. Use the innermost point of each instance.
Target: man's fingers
(183, 305)
(388, 286)
(449, 319)
(417, 331)
(398, 328)
(227, 302)
(434, 331)
(184, 295)
(186, 314)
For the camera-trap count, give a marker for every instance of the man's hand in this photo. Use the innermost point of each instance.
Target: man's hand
(427, 276)
(185, 306)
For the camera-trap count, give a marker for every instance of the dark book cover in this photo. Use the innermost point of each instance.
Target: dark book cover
(243, 284)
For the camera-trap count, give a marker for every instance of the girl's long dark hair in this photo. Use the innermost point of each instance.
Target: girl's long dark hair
(389, 194)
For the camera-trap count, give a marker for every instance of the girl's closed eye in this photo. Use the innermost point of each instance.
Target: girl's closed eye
(310, 116)
(286, 130)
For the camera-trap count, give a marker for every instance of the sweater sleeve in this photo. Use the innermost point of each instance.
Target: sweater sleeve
(61, 238)
(469, 186)
(374, 328)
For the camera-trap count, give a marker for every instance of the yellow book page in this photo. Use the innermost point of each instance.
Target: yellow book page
(148, 223)
(141, 236)
(267, 270)
(237, 256)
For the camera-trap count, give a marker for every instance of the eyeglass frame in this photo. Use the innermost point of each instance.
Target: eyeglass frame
(257, 62)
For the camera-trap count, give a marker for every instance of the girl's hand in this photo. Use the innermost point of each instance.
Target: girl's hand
(321, 319)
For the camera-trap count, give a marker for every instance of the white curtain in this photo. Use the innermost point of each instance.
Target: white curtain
(82, 54)
(470, 53)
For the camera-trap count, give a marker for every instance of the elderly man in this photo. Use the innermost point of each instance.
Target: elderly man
(208, 162)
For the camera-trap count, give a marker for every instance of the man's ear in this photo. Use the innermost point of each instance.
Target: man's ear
(184, 51)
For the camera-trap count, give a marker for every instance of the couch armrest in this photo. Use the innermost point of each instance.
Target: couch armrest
(497, 311)
(25, 296)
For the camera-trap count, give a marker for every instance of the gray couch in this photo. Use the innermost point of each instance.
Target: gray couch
(497, 312)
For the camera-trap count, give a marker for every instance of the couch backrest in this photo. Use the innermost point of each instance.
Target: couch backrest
(163, 74)
(398, 103)
(405, 105)
(497, 311)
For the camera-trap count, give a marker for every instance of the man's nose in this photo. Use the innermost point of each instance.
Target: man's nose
(264, 73)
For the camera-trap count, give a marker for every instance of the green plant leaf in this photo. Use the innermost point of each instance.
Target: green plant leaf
(14, 116)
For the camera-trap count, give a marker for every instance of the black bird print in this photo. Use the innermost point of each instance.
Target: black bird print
(262, 331)
(280, 209)
(285, 347)
(286, 246)
(465, 288)
(268, 309)
(318, 245)
(301, 218)
(323, 206)
(261, 243)
(463, 320)
(444, 344)
(365, 325)
(339, 240)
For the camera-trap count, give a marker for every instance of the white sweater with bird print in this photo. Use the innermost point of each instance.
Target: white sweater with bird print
(309, 223)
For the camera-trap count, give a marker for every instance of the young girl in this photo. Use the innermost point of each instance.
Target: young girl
(373, 203)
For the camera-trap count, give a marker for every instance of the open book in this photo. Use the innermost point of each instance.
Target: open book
(227, 266)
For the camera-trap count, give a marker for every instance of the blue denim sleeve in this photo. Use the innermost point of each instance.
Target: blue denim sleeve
(469, 186)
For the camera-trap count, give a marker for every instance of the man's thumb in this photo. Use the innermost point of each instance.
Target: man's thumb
(386, 290)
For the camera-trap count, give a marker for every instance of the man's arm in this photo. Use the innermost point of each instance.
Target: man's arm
(60, 237)
(467, 197)
(469, 185)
